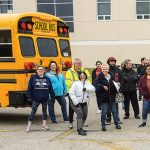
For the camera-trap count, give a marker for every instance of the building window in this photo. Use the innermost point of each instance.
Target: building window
(62, 9)
(6, 6)
(103, 9)
(143, 9)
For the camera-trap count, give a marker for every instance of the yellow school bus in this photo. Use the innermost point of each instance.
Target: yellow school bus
(28, 39)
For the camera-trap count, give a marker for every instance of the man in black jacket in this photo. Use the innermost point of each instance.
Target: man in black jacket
(115, 71)
(129, 89)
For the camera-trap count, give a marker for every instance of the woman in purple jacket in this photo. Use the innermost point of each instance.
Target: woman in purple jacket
(144, 87)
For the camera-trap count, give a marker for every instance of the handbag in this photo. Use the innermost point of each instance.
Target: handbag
(119, 98)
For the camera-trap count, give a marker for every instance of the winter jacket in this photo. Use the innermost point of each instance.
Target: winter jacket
(129, 80)
(116, 72)
(100, 82)
(142, 85)
(40, 89)
(72, 75)
(77, 94)
(58, 83)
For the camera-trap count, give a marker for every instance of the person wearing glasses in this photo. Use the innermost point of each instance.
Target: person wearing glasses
(95, 74)
(129, 89)
(79, 94)
(39, 91)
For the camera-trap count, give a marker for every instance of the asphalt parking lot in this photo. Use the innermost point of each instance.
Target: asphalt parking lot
(13, 136)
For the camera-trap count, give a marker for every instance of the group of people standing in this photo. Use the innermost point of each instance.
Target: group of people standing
(107, 80)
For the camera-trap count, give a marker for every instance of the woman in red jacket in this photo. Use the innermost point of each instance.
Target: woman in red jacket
(144, 87)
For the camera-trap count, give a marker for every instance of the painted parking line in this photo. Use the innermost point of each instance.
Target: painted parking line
(1, 130)
(107, 144)
(62, 135)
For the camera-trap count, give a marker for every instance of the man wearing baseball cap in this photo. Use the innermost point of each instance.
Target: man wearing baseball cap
(115, 71)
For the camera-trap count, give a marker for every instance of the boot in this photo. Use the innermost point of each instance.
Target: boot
(81, 132)
(45, 127)
(142, 125)
(28, 126)
(103, 128)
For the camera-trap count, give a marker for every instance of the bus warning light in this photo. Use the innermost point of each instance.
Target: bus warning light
(29, 26)
(29, 65)
(61, 30)
(65, 30)
(23, 25)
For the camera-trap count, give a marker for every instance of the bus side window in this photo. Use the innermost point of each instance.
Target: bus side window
(65, 48)
(5, 43)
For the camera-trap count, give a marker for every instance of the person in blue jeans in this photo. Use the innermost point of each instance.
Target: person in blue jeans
(60, 89)
(107, 92)
(39, 91)
(144, 87)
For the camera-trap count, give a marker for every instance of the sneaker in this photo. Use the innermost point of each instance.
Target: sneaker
(137, 117)
(45, 127)
(118, 126)
(98, 112)
(142, 125)
(70, 125)
(28, 128)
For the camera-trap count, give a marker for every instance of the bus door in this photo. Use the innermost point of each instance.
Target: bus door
(48, 51)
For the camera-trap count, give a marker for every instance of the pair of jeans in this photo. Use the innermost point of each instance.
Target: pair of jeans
(35, 106)
(112, 107)
(109, 112)
(131, 96)
(146, 109)
(62, 102)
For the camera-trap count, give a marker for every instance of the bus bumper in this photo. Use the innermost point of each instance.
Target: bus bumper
(18, 99)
